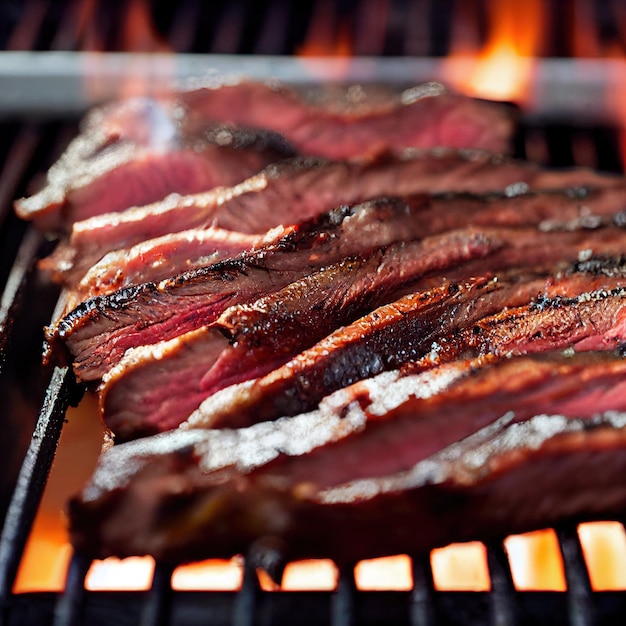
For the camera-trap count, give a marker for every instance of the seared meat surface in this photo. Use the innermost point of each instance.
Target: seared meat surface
(298, 189)
(422, 330)
(456, 452)
(322, 240)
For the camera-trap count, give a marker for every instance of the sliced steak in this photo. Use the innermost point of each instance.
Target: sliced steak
(301, 249)
(169, 134)
(146, 155)
(433, 326)
(551, 420)
(100, 330)
(163, 257)
(251, 339)
(421, 117)
(568, 209)
(295, 190)
(242, 344)
(168, 380)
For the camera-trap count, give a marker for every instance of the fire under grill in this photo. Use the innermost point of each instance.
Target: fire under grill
(35, 399)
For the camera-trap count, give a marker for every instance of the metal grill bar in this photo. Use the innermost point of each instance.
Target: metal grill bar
(157, 607)
(10, 300)
(69, 609)
(343, 607)
(580, 597)
(423, 608)
(246, 602)
(33, 476)
(503, 611)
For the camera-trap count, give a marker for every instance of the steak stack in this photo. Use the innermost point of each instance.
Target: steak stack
(389, 335)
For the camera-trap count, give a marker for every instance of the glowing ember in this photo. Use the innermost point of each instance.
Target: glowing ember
(320, 575)
(46, 556)
(214, 574)
(461, 567)
(536, 561)
(133, 574)
(604, 547)
(392, 573)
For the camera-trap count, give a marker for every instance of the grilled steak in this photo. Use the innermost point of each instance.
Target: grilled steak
(303, 311)
(141, 159)
(100, 330)
(551, 210)
(295, 190)
(422, 117)
(299, 251)
(552, 420)
(163, 257)
(156, 143)
(433, 326)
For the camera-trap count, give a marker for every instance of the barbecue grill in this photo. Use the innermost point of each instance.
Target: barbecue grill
(569, 121)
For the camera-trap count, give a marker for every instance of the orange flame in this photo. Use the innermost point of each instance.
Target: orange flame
(502, 70)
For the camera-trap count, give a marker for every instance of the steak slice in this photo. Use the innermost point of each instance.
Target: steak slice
(251, 339)
(163, 257)
(424, 216)
(453, 454)
(171, 379)
(433, 326)
(99, 331)
(302, 249)
(551, 210)
(168, 380)
(298, 189)
(141, 157)
(169, 133)
(421, 117)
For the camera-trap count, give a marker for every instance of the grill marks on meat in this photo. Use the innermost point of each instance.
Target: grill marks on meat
(296, 190)
(217, 493)
(144, 154)
(432, 327)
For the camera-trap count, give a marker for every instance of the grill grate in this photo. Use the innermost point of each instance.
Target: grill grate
(266, 27)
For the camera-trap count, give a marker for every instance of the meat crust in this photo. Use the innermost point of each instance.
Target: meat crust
(551, 419)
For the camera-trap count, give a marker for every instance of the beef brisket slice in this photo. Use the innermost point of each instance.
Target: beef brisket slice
(295, 190)
(141, 157)
(548, 420)
(433, 326)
